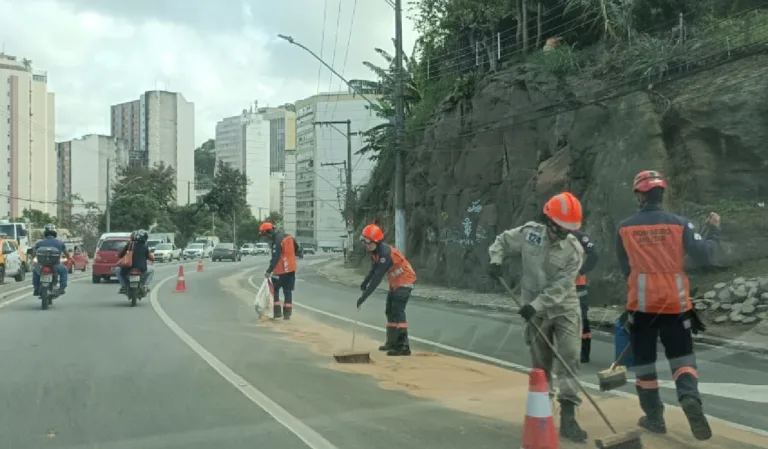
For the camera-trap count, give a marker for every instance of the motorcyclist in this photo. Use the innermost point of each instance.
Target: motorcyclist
(141, 254)
(50, 241)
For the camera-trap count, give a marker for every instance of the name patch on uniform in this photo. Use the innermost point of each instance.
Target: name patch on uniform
(534, 238)
(651, 236)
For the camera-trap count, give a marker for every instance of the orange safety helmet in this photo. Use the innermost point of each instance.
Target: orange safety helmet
(373, 233)
(647, 180)
(564, 209)
(266, 227)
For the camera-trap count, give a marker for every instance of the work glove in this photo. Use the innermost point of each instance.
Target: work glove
(360, 301)
(267, 274)
(527, 312)
(696, 324)
(494, 270)
(363, 286)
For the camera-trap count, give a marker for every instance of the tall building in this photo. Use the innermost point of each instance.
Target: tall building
(243, 143)
(85, 164)
(276, 191)
(282, 134)
(289, 192)
(28, 173)
(321, 152)
(160, 127)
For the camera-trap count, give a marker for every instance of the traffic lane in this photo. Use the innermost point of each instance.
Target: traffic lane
(94, 372)
(348, 410)
(476, 331)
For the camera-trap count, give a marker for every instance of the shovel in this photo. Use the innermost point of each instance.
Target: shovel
(351, 356)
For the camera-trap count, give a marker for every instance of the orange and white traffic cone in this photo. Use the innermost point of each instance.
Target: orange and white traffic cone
(181, 284)
(199, 265)
(539, 428)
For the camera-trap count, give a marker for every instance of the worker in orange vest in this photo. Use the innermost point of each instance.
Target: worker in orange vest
(590, 251)
(651, 249)
(389, 262)
(282, 267)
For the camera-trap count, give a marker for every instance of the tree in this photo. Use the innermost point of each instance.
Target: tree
(85, 225)
(227, 194)
(36, 218)
(135, 211)
(142, 198)
(205, 163)
(158, 182)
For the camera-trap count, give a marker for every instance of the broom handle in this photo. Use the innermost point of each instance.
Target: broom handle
(354, 330)
(562, 361)
(621, 356)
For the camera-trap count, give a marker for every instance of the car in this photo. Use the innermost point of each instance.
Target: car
(307, 250)
(78, 261)
(226, 251)
(261, 248)
(167, 252)
(193, 251)
(12, 260)
(247, 249)
(106, 258)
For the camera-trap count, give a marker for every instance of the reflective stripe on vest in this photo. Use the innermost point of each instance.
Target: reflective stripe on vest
(581, 280)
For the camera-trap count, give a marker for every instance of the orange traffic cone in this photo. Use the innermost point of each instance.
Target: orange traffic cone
(181, 284)
(539, 427)
(199, 265)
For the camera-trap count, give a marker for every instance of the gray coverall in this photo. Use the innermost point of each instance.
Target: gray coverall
(547, 284)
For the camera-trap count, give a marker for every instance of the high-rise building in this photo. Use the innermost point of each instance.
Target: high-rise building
(321, 155)
(243, 142)
(282, 134)
(85, 164)
(160, 127)
(28, 173)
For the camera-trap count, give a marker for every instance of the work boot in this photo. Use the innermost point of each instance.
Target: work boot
(695, 413)
(390, 339)
(287, 313)
(569, 428)
(278, 310)
(586, 348)
(653, 423)
(401, 346)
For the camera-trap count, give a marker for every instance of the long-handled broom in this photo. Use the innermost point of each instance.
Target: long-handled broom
(351, 356)
(626, 440)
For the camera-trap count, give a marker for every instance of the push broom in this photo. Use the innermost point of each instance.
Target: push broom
(351, 356)
(625, 440)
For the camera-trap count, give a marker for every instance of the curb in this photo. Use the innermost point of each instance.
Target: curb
(604, 326)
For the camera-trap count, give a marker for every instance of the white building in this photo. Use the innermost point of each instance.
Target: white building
(160, 127)
(85, 164)
(276, 191)
(243, 142)
(28, 162)
(289, 192)
(321, 151)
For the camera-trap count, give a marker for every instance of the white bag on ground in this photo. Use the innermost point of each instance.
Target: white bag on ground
(264, 300)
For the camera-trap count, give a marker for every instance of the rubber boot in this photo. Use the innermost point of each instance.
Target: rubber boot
(389, 344)
(401, 346)
(586, 348)
(287, 312)
(696, 419)
(278, 310)
(650, 402)
(569, 428)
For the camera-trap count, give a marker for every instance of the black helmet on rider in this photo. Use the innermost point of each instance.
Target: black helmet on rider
(50, 230)
(142, 236)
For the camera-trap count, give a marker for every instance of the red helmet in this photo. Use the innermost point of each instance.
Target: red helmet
(373, 233)
(565, 210)
(266, 227)
(647, 180)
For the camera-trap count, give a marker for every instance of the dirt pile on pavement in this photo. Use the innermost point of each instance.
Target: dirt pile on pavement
(490, 391)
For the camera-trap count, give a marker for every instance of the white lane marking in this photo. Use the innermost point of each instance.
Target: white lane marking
(311, 438)
(505, 363)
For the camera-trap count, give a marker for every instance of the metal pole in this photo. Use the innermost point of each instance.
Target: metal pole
(400, 238)
(189, 192)
(109, 218)
(350, 193)
(234, 229)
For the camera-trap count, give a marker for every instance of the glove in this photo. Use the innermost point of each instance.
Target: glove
(267, 274)
(494, 270)
(696, 324)
(360, 301)
(527, 312)
(363, 286)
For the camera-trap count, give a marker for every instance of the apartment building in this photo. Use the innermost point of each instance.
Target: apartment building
(321, 152)
(160, 127)
(243, 141)
(28, 160)
(84, 166)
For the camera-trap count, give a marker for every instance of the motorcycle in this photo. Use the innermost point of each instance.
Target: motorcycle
(47, 259)
(136, 289)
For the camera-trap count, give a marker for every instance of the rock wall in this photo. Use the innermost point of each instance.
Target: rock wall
(488, 163)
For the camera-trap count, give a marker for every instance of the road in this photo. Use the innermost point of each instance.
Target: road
(191, 370)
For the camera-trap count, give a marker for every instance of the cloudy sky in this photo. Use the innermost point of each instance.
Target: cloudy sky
(221, 54)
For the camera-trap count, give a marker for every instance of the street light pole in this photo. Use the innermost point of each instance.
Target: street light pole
(400, 234)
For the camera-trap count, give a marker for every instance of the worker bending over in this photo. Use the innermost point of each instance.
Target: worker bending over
(590, 262)
(282, 268)
(551, 258)
(651, 249)
(389, 262)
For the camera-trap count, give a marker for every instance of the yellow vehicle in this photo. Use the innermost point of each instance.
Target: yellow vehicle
(13, 261)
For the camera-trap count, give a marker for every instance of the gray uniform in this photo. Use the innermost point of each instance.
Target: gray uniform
(547, 283)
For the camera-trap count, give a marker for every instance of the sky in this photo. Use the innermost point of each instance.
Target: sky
(220, 54)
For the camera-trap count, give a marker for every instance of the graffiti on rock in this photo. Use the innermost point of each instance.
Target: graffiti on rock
(467, 234)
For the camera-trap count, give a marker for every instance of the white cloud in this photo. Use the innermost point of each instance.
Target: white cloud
(96, 56)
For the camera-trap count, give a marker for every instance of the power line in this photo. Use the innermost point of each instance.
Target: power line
(322, 43)
(346, 56)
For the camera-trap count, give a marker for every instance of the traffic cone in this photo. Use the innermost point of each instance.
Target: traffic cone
(539, 428)
(181, 284)
(199, 265)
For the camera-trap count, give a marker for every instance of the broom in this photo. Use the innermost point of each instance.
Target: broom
(626, 440)
(615, 376)
(351, 356)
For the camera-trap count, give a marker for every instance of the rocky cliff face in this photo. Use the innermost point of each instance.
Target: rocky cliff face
(488, 163)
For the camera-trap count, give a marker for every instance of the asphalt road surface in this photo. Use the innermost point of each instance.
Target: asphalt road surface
(187, 371)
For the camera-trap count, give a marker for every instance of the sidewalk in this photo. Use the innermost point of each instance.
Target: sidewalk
(734, 331)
